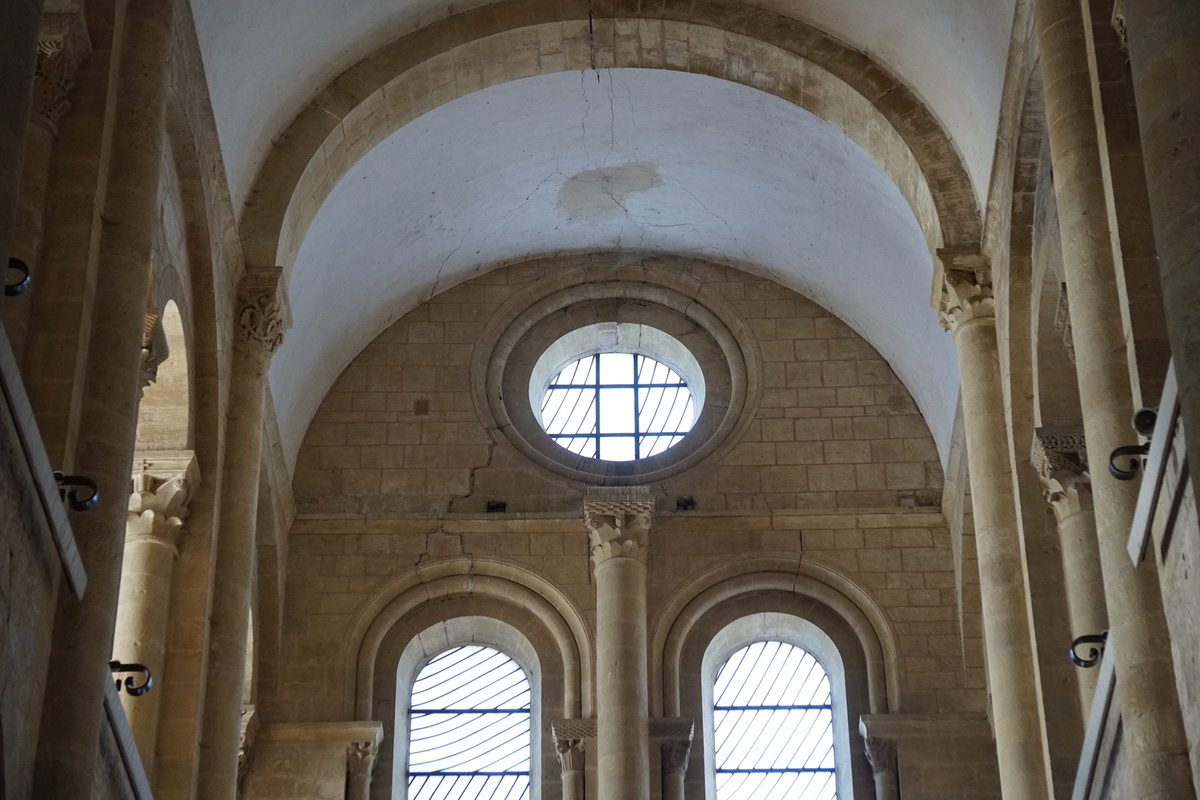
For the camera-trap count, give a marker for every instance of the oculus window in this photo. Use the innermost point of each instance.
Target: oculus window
(773, 726)
(617, 407)
(469, 734)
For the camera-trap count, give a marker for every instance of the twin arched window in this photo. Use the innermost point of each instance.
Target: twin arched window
(773, 727)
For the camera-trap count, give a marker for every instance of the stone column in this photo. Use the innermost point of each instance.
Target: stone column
(881, 753)
(162, 486)
(1154, 741)
(83, 631)
(967, 309)
(675, 756)
(1164, 57)
(1061, 462)
(572, 760)
(360, 763)
(618, 523)
(19, 22)
(63, 44)
(262, 318)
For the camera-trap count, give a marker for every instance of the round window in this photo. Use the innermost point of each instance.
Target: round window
(616, 391)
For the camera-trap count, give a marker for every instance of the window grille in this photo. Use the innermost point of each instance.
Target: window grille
(617, 407)
(773, 726)
(469, 734)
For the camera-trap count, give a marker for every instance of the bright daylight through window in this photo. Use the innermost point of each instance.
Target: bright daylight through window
(617, 407)
(469, 728)
(773, 726)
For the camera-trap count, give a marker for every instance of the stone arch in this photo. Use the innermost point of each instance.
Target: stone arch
(368, 101)
(786, 576)
(504, 586)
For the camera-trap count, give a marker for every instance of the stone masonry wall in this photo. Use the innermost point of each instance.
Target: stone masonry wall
(399, 431)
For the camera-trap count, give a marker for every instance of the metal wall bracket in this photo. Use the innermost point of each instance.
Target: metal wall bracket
(75, 499)
(1097, 642)
(19, 287)
(132, 687)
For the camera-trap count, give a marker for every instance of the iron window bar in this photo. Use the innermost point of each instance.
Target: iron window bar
(647, 433)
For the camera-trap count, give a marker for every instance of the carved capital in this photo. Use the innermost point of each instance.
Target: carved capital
(1060, 458)
(360, 757)
(154, 349)
(162, 486)
(263, 314)
(571, 755)
(966, 288)
(1062, 324)
(1119, 25)
(618, 522)
(63, 44)
(881, 753)
(249, 730)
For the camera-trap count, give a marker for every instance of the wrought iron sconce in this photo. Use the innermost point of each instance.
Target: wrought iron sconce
(132, 687)
(1143, 423)
(75, 499)
(1097, 642)
(14, 289)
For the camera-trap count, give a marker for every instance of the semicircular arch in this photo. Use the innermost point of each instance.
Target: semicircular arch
(401, 81)
(690, 604)
(505, 583)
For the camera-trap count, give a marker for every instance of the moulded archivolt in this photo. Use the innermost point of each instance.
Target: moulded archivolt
(640, 294)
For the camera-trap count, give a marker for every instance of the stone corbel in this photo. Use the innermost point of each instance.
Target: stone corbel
(162, 485)
(263, 314)
(966, 287)
(154, 349)
(675, 734)
(618, 521)
(1060, 458)
(63, 44)
(360, 759)
(881, 754)
(250, 725)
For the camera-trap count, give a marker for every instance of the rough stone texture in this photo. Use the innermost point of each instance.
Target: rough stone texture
(834, 427)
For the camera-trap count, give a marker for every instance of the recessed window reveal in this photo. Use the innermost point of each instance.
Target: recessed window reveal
(615, 399)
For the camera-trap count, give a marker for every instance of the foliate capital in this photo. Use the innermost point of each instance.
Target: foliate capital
(966, 287)
(618, 521)
(263, 312)
(63, 44)
(1060, 458)
(163, 483)
(360, 757)
(881, 753)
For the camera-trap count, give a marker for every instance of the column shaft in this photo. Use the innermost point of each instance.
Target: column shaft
(18, 49)
(262, 318)
(1085, 589)
(1012, 673)
(83, 631)
(1154, 741)
(1164, 57)
(229, 632)
(622, 702)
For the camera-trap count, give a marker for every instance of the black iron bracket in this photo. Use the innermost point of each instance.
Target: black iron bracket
(1095, 651)
(132, 687)
(14, 289)
(1143, 423)
(74, 498)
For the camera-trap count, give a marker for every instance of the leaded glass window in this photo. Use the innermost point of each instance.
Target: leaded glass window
(773, 726)
(469, 734)
(617, 407)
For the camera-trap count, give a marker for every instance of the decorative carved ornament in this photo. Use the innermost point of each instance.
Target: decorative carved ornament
(154, 349)
(262, 312)
(63, 44)
(676, 736)
(1062, 323)
(966, 288)
(618, 521)
(1118, 25)
(360, 757)
(162, 485)
(1060, 458)
(881, 753)
(250, 726)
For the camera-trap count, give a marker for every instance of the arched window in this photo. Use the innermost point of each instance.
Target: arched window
(469, 734)
(773, 731)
